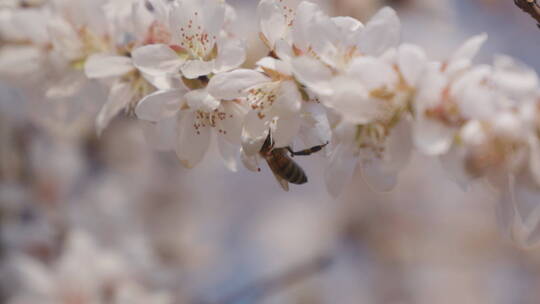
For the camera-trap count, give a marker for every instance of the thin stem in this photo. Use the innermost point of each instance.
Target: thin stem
(531, 7)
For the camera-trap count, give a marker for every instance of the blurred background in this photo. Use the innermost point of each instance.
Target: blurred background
(109, 220)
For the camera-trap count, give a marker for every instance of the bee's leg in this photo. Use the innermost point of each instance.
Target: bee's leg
(307, 151)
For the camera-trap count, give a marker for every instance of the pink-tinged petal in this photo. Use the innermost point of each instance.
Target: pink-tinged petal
(230, 124)
(272, 22)
(432, 137)
(234, 84)
(192, 69)
(412, 61)
(314, 74)
(105, 65)
(340, 168)
(120, 96)
(381, 33)
(254, 133)
(201, 100)
(379, 176)
(229, 153)
(193, 139)
(159, 104)
(231, 54)
(156, 60)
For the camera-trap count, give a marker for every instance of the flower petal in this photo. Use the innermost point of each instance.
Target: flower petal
(231, 123)
(201, 100)
(105, 65)
(412, 61)
(314, 74)
(231, 54)
(340, 168)
(432, 137)
(380, 33)
(272, 23)
(193, 140)
(192, 69)
(156, 60)
(120, 96)
(229, 153)
(155, 106)
(231, 85)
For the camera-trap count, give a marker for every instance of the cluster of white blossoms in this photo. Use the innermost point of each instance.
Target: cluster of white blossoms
(178, 65)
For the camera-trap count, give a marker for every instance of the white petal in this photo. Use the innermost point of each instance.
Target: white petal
(231, 54)
(470, 48)
(281, 66)
(201, 100)
(254, 132)
(462, 58)
(120, 96)
(286, 129)
(192, 69)
(156, 60)
(156, 105)
(229, 153)
(106, 65)
(289, 99)
(231, 124)
(381, 33)
(373, 73)
(271, 21)
(352, 101)
(192, 142)
(432, 137)
(250, 161)
(314, 74)
(340, 168)
(305, 12)
(231, 85)
(411, 61)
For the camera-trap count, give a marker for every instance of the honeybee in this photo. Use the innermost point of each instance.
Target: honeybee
(283, 167)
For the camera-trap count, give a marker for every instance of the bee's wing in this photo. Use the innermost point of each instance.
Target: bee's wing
(283, 183)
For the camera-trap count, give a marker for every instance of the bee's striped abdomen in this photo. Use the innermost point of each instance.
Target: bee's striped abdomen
(288, 169)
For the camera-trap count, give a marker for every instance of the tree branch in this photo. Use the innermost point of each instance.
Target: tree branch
(531, 7)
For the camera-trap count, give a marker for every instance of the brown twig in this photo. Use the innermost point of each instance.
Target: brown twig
(531, 7)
